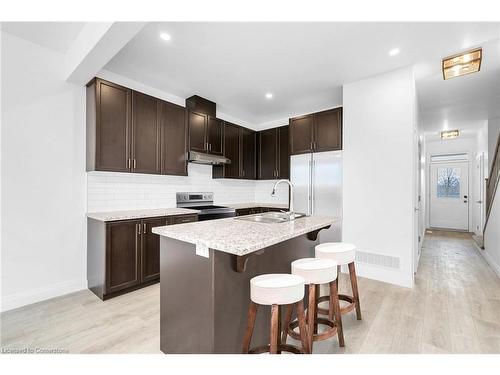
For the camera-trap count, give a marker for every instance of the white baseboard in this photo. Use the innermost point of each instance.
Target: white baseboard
(490, 261)
(16, 300)
(383, 274)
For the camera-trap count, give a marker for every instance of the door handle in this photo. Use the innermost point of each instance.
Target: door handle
(144, 228)
(479, 202)
(135, 164)
(139, 228)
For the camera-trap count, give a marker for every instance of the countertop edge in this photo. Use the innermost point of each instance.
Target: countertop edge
(244, 251)
(139, 214)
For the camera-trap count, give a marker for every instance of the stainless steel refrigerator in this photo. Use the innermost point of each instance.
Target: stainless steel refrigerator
(318, 188)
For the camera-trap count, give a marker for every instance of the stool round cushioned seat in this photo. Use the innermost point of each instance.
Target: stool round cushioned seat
(343, 253)
(276, 289)
(315, 270)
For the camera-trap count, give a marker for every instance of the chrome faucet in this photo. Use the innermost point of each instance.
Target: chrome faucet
(289, 213)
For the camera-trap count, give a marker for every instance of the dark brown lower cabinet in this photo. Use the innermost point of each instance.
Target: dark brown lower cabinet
(150, 262)
(123, 244)
(125, 255)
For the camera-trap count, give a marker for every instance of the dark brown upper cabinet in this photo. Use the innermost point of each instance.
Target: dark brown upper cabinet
(128, 131)
(173, 134)
(197, 131)
(283, 152)
(273, 155)
(239, 147)
(248, 141)
(205, 133)
(145, 134)
(214, 135)
(301, 134)
(328, 130)
(232, 151)
(321, 131)
(108, 126)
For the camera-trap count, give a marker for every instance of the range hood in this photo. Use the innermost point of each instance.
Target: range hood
(202, 158)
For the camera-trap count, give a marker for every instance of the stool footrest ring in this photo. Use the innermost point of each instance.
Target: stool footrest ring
(281, 348)
(331, 331)
(342, 297)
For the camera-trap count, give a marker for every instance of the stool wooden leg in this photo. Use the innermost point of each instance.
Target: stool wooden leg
(252, 313)
(302, 327)
(354, 286)
(273, 347)
(335, 311)
(311, 315)
(316, 297)
(286, 322)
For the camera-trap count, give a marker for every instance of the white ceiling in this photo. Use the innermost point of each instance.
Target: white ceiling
(303, 64)
(57, 36)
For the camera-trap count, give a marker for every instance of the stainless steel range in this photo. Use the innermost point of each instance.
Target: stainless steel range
(204, 202)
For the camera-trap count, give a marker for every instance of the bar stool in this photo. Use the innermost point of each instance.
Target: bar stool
(316, 272)
(276, 290)
(342, 253)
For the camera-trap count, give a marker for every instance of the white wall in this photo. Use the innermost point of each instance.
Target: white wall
(379, 120)
(450, 146)
(123, 191)
(43, 176)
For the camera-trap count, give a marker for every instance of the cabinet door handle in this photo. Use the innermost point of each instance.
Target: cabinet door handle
(128, 163)
(139, 228)
(312, 146)
(144, 230)
(135, 163)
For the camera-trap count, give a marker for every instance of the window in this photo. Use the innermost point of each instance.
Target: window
(448, 182)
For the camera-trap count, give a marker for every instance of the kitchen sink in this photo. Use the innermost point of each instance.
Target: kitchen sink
(270, 217)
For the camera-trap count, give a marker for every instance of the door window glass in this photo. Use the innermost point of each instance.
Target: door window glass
(448, 182)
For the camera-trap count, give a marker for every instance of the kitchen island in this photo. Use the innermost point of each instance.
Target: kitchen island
(205, 270)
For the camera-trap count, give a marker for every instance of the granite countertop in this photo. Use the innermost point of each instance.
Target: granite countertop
(139, 214)
(238, 206)
(241, 237)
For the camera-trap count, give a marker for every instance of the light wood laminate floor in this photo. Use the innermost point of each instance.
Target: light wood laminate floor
(454, 308)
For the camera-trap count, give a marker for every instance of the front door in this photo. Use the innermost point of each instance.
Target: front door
(449, 195)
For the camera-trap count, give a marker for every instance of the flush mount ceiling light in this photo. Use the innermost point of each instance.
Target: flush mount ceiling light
(462, 63)
(269, 95)
(448, 134)
(394, 52)
(165, 36)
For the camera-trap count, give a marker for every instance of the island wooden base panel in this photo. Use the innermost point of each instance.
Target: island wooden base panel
(452, 309)
(204, 301)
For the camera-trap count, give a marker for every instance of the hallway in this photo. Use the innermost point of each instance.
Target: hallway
(454, 308)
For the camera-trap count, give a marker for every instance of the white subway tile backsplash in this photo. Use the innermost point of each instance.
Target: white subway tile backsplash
(123, 191)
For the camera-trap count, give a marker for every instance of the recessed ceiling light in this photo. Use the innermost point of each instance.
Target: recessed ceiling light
(165, 36)
(394, 51)
(462, 63)
(269, 95)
